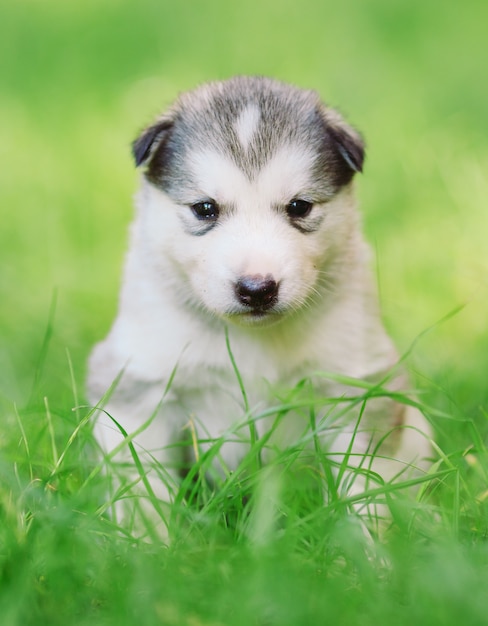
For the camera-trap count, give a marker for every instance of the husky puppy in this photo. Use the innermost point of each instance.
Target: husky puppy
(246, 220)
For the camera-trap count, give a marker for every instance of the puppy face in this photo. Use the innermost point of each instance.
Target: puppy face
(247, 194)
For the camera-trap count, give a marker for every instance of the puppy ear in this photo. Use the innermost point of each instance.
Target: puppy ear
(346, 140)
(145, 145)
(350, 146)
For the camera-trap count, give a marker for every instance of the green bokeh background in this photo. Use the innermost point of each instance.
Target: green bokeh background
(80, 79)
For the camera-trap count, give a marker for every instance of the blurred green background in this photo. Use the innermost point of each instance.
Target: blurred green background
(80, 79)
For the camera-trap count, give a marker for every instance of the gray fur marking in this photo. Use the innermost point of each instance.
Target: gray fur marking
(206, 119)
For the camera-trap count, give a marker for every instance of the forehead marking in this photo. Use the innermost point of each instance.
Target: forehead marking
(246, 124)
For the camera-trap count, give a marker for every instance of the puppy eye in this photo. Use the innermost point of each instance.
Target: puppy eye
(298, 208)
(207, 210)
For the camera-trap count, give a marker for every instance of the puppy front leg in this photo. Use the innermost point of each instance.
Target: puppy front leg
(138, 437)
(388, 457)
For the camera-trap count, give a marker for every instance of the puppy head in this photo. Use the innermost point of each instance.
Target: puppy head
(247, 194)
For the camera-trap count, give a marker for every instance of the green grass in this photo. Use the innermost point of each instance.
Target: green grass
(279, 544)
(78, 81)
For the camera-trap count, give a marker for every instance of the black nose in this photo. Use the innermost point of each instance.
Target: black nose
(257, 291)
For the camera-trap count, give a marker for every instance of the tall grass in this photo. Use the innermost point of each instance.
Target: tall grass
(274, 544)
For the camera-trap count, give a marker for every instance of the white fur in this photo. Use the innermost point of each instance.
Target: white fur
(246, 125)
(178, 292)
